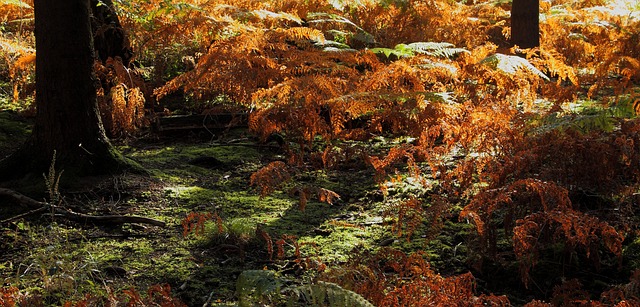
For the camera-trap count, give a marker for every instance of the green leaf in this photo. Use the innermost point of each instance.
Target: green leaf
(442, 50)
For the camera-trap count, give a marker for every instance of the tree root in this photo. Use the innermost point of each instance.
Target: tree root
(37, 206)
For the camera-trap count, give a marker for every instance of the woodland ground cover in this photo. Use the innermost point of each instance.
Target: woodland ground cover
(398, 152)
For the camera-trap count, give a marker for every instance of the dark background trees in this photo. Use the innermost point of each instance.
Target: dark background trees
(525, 23)
(109, 38)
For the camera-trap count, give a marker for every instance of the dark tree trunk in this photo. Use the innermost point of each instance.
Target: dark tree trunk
(109, 38)
(525, 23)
(67, 119)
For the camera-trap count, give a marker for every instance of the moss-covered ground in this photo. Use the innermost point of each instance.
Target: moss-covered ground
(63, 261)
(58, 261)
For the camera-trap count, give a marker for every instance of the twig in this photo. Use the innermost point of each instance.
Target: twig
(103, 219)
(19, 216)
(39, 206)
(208, 299)
(21, 199)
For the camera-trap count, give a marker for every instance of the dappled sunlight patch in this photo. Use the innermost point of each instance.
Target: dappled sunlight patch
(340, 243)
(193, 195)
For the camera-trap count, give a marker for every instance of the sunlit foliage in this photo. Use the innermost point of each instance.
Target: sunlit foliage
(496, 127)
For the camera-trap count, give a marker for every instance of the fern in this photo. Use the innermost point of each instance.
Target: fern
(590, 116)
(194, 223)
(327, 294)
(596, 120)
(254, 286)
(511, 64)
(17, 3)
(52, 181)
(264, 286)
(265, 14)
(392, 278)
(10, 47)
(270, 177)
(331, 45)
(19, 58)
(319, 18)
(579, 230)
(441, 50)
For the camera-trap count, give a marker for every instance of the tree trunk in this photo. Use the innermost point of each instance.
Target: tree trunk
(109, 38)
(67, 119)
(525, 23)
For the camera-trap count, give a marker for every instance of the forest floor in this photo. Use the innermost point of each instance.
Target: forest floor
(200, 172)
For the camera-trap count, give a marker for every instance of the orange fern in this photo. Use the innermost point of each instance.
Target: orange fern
(392, 278)
(194, 223)
(270, 177)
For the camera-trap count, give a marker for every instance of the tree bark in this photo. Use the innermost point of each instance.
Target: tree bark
(109, 38)
(67, 119)
(525, 23)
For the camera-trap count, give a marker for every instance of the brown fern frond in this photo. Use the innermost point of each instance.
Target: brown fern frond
(121, 98)
(16, 10)
(327, 196)
(194, 223)
(270, 177)
(267, 238)
(515, 201)
(290, 240)
(394, 155)
(410, 214)
(624, 295)
(303, 193)
(19, 71)
(392, 278)
(626, 68)
(555, 65)
(21, 63)
(17, 60)
(302, 36)
(578, 230)
(122, 110)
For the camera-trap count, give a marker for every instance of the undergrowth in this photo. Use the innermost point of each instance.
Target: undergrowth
(536, 149)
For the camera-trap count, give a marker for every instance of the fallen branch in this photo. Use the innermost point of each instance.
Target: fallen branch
(25, 201)
(39, 206)
(106, 219)
(19, 216)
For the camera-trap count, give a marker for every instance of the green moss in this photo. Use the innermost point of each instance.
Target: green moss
(192, 195)
(183, 182)
(170, 155)
(13, 125)
(334, 248)
(14, 131)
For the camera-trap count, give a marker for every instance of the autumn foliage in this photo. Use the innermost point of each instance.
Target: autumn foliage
(496, 128)
(413, 282)
(156, 295)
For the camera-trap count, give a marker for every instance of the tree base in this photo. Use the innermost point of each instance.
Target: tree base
(26, 170)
